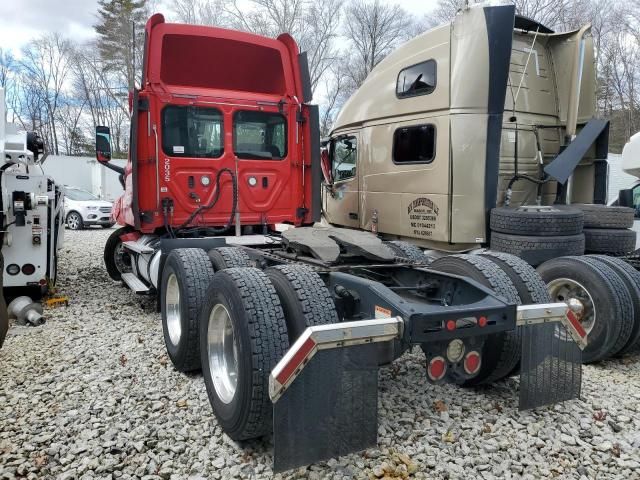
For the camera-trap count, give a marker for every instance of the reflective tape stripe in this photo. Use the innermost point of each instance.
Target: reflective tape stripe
(576, 324)
(298, 358)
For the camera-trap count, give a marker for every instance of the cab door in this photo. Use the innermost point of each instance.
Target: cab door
(341, 198)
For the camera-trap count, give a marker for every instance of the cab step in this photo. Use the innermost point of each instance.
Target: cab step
(135, 284)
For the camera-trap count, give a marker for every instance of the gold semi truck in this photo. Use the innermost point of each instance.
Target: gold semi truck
(481, 136)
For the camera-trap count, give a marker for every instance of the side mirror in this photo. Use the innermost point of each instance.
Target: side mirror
(103, 144)
(325, 163)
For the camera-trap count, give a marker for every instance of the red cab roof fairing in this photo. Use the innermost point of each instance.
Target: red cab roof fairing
(204, 59)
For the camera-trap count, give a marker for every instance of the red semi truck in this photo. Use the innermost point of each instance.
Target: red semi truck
(290, 328)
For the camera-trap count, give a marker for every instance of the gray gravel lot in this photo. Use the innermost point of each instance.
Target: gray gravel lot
(92, 395)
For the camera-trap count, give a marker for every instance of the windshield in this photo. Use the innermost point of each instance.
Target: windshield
(259, 135)
(75, 194)
(192, 132)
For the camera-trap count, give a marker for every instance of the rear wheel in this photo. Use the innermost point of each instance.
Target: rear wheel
(185, 278)
(631, 278)
(305, 299)
(406, 250)
(243, 335)
(501, 352)
(228, 257)
(116, 259)
(74, 221)
(597, 297)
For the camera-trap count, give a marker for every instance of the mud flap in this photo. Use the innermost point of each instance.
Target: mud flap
(325, 392)
(551, 363)
(330, 410)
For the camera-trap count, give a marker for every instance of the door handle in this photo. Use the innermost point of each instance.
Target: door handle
(353, 215)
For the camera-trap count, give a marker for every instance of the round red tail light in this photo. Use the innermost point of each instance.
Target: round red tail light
(482, 322)
(437, 368)
(472, 363)
(451, 325)
(28, 269)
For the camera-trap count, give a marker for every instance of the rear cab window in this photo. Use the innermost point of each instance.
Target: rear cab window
(189, 131)
(259, 135)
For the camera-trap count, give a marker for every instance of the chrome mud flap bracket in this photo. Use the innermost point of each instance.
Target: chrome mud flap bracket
(325, 392)
(551, 362)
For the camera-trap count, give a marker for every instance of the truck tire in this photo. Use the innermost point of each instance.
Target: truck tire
(605, 301)
(537, 250)
(614, 242)
(185, 278)
(116, 260)
(241, 308)
(501, 352)
(603, 216)
(631, 278)
(4, 315)
(531, 288)
(537, 221)
(406, 250)
(228, 257)
(305, 299)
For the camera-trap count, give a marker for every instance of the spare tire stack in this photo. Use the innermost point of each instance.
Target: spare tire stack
(537, 233)
(607, 229)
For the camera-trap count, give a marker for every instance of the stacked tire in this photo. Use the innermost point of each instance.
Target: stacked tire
(607, 229)
(537, 234)
(604, 293)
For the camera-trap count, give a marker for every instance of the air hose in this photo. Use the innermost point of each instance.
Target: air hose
(216, 197)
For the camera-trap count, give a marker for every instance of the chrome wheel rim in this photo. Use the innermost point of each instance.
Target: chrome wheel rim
(222, 353)
(577, 298)
(121, 259)
(73, 221)
(172, 306)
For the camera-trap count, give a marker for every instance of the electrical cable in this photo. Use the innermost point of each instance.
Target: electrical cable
(216, 197)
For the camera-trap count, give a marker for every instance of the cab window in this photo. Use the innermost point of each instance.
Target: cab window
(344, 157)
(259, 135)
(417, 80)
(415, 144)
(192, 132)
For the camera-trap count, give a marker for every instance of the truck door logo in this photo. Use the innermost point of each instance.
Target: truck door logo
(423, 215)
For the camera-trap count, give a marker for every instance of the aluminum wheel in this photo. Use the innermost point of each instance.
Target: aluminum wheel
(222, 353)
(74, 221)
(172, 304)
(122, 259)
(577, 298)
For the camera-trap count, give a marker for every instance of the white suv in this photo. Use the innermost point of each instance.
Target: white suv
(82, 209)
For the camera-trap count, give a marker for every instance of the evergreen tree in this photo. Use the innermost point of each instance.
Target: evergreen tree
(117, 20)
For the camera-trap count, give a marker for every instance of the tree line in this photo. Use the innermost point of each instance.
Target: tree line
(64, 89)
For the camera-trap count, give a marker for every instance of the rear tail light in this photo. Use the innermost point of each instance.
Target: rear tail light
(451, 325)
(472, 363)
(28, 269)
(437, 368)
(482, 322)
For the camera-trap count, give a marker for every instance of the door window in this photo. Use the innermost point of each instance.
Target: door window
(344, 156)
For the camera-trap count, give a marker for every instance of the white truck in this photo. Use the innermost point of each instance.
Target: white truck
(31, 215)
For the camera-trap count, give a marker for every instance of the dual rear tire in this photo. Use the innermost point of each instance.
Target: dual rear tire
(236, 322)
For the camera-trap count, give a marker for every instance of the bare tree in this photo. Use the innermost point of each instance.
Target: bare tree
(336, 88)
(44, 67)
(373, 29)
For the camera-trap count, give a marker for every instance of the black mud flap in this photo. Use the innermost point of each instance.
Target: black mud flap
(551, 365)
(330, 410)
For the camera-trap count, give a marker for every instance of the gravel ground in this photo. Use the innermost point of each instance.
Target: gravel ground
(91, 394)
